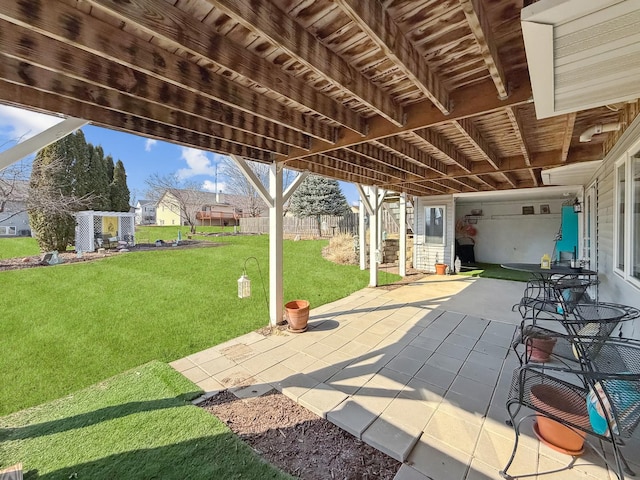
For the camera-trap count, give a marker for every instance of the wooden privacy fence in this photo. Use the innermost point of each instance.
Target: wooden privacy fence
(308, 226)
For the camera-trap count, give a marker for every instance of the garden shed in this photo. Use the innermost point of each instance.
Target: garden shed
(95, 229)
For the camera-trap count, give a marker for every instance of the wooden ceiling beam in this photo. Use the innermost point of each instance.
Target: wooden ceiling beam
(568, 135)
(440, 143)
(383, 157)
(478, 21)
(379, 26)
(466, 182)
(330, 167)
(369, 164)
(39, 71)
(69, 25)
(518, 129)
(486, 180)
(45, 102)
(467, 128)
(164, 21)
(268, 20)
(21, 73)
(511, 178)
(413, 154)
(470, 101)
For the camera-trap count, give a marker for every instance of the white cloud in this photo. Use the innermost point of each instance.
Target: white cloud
(210, 186)
(198, 162)
(18, 124)
(148, 145)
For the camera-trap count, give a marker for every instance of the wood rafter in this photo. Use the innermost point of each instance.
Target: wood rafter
(568, 135)
(470, 101)
(39, 69)
(373, 19)
(370, 164)
(467, 128)
(14, 94)
(441, 144)
(63, 23)
(518, 129)
(373, 152)
(171, 24)
(413, 154)
(265, 18)
(481, 29)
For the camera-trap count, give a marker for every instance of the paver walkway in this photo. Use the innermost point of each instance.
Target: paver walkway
(420, 372)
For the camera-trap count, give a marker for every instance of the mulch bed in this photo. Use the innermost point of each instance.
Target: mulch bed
(297, 441)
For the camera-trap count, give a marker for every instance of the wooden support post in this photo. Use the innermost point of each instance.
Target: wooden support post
(402, 260)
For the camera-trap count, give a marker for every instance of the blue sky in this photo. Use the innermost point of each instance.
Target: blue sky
(141, 156)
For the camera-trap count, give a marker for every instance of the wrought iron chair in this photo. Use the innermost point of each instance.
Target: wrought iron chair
(601, 398)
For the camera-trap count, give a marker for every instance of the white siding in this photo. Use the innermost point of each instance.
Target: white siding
(612, 287)
(425, 256)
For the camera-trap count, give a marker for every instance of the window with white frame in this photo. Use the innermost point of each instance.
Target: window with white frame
(5, 230)
(434, 224)
(627, 216)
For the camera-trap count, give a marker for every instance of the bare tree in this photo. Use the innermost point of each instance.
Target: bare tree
(16, 196)
(247, 197)
(184, 198)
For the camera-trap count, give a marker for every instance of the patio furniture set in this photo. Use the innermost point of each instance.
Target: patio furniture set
(583, 380)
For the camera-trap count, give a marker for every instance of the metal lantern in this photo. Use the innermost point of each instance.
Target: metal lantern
(244, 286)
(577, 206)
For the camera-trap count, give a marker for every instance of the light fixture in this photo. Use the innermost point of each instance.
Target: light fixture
(244, 286)
(577, 206)
(244, 283)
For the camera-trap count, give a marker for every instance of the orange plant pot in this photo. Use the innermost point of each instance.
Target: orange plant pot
(297, 315)
(562, 404)
(441, 268)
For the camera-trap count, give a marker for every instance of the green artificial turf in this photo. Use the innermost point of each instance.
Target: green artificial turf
(136, 425)
(492, 270)
(68, 326)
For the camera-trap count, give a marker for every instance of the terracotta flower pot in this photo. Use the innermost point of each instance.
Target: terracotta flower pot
(539, 348)
(297, 315)
(563, 404)
(441, 268)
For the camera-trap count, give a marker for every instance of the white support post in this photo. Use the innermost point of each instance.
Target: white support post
(253, 179)
(294, 185)
(402, 261)
(362, 231)
(276, 302)
(373, 237)
(38, 142)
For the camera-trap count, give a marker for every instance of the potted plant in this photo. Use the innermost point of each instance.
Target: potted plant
(539, 346)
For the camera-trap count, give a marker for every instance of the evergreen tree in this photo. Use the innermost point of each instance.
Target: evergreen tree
(318, 196)
(101, 179)
(51, 176)
(119, 192)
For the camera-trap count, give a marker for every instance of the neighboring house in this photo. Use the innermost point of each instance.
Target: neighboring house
(205, 208)
(14, 220)
(145, 212)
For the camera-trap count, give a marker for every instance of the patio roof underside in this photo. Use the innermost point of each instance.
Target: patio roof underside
(425, 97)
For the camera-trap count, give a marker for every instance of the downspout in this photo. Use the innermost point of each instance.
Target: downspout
(597, 129)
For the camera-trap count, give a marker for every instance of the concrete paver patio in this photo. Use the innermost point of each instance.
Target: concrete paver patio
(420, 372)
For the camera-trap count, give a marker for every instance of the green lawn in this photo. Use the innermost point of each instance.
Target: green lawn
(69, 326)
(18, 247)
(137, 425)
